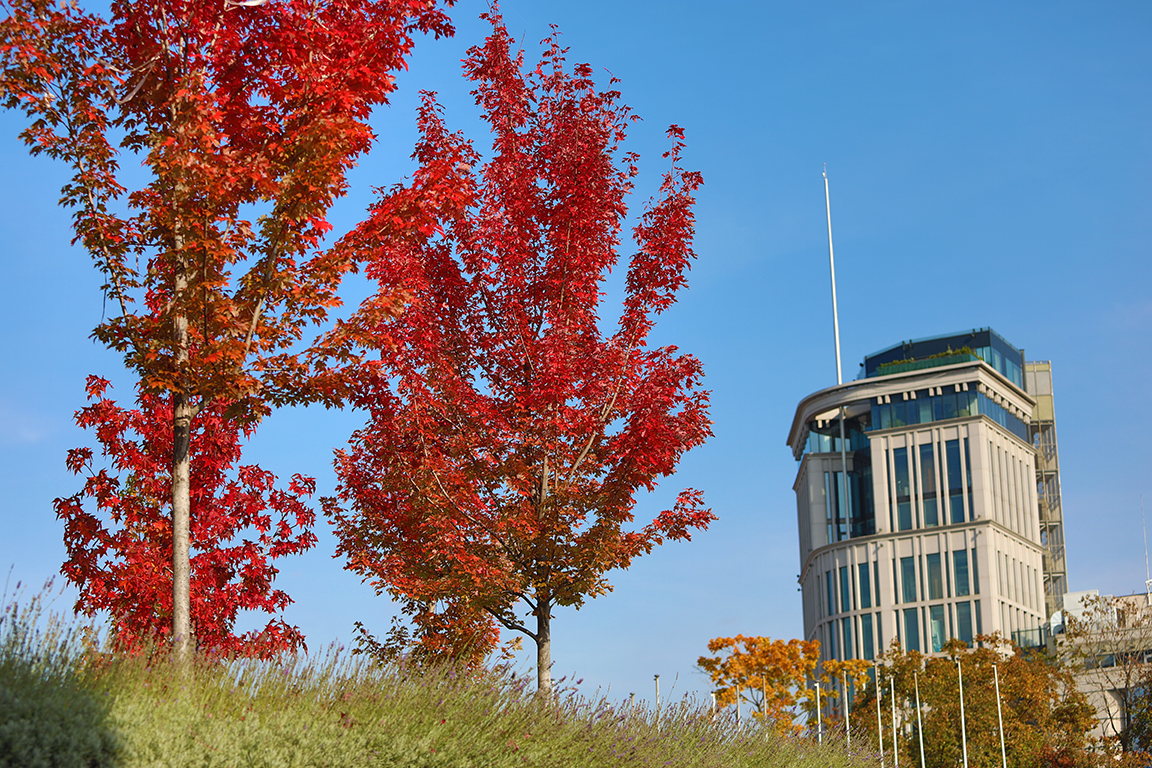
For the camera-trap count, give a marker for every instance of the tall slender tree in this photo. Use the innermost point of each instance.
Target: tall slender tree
(507, 434)
(231, 106)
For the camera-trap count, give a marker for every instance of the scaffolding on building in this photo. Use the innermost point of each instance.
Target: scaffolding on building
(1042, 431)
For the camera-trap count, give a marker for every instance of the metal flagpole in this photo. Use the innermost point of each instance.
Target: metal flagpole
(819, 717)
(963, 725)
(844, 505)
(832, 264)
(919, 721)
(879, 722)
(1000, 718)
(895, 746)
(847, 715)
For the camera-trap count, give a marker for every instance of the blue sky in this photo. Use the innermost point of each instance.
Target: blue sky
(989, 165)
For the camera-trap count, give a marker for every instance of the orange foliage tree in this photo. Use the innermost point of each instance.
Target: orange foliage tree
(1046, 719)
(779, 679)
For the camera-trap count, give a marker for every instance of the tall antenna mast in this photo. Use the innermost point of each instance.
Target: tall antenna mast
(832, 266)
(844, 495)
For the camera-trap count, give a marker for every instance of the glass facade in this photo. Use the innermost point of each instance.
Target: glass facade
(926, 408)
(985, 343)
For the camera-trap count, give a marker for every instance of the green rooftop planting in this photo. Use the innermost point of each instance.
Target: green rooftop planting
(963, 355)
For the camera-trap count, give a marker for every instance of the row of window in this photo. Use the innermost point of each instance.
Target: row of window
(860, 636)
(1003, 363)
(1012, 505)
(924, 408)
(933, 619)
(921, 493)
(915, 578)
(1019, 581)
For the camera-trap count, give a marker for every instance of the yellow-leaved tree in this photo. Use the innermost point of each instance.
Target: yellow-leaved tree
(780, 679)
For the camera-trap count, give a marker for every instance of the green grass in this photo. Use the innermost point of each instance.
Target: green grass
(62, 704)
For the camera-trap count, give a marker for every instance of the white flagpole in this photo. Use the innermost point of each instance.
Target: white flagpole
(879, 722)
(832, 265)
(919, 720)
(844, 495)
(963, 725)
(1000, 718)
(819, 717)
(847, 714)
(895, 746)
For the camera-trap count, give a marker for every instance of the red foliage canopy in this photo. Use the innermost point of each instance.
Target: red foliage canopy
(507, 434)
(233, 108)
(240, 523)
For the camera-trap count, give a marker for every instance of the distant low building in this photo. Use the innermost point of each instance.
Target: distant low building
(924, 522)
(1107, 642)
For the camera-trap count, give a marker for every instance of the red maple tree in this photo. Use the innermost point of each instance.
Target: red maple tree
(507, 435)
(233, 108)
(242, 523)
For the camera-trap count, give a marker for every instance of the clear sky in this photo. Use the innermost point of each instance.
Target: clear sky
(990, 165)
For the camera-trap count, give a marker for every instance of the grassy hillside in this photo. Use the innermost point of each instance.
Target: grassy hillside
(63, 705)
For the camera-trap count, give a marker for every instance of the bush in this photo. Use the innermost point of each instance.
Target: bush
(49, 716)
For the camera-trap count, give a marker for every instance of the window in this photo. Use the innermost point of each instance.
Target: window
(865, 588)
(964, 622)
(975, 575)
(928, 484)
(866, 636)
(829, 510)
(968, 472)
(955, 482)
(831, 588)
(935, 578)
(903, 489)
(960, 568)
(908, 578)
(911, 629)
(846, 623)
(845, 592)
(950, 409)
(936, 627)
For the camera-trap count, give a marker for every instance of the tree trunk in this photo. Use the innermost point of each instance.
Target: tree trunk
(182, 632)
(183, 644)
(544, 648)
